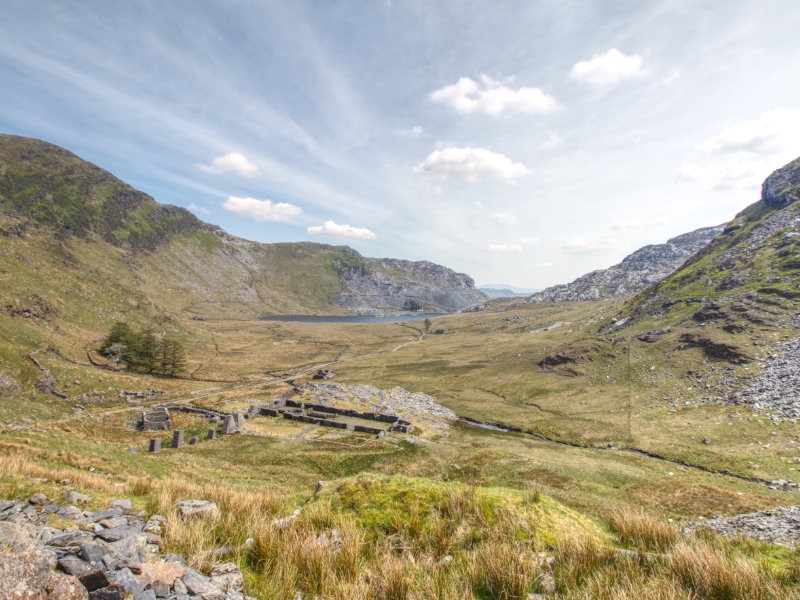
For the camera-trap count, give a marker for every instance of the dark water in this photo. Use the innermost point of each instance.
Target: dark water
(351, 318)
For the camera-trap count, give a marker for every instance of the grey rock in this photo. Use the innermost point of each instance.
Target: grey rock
(179, 587)
(92, 552)
(122, 503)
(782, 187)
(38, 499)
(155, 445)
(197, 583)
(646, 266)
(72, 565)
(118, 533)
(8, 385)
(127, 581)
(198, 508)
(114, 522)
(95, 580)
(73, 497)
(47, 383)
(226, 577)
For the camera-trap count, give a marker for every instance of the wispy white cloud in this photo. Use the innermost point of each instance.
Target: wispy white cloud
(493, 98)
(553, 141)
(412, 132)
(233, 162)
(344, 232)
(593, 245)
(775, 130)
(202, 210)
(609, 68)
(262, 210)
(504, 248)
(471, 164)
(505, 219)
(741, 155)
(637, 224)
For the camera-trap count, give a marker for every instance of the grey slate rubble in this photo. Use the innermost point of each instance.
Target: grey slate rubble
(646, 266)
(776, 391)
(775, 526)
(95, 561)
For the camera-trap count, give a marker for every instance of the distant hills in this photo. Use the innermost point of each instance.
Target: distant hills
(80, 240)
(503, 290)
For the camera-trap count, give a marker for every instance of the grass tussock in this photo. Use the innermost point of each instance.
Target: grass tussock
(635, 528)
(401, 539)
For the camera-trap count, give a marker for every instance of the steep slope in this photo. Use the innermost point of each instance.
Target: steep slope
(636, 271)
(78, 219)
(754, 263)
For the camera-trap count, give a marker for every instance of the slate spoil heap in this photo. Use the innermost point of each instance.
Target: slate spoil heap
(113, 554)
(774, 526)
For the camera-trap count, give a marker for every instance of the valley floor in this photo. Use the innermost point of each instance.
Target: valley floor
(616, 444)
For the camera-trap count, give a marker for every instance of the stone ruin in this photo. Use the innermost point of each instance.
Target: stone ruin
(320, 414)
(324, 374)
(156, 419)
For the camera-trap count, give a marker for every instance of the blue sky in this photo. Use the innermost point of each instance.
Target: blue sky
(523, 142)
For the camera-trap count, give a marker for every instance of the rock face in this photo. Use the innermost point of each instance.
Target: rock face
(390, 285)
(782, 187)
(647, 265)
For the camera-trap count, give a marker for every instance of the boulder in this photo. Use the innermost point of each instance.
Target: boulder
(198, 508)
(30, 575)
(47, 383)
(73, 497)
(7, 385)
(227, 577)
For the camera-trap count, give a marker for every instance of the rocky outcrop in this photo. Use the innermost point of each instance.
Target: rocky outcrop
(389, 285)
(782, 187)
(644, 267)
(112, 554)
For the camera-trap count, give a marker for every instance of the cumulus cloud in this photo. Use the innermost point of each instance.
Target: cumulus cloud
(231, 163)
(493, 98)
(201, 210)
(582, 245)
(741, 155)
(343, 232)
(504, 248)
(609, 68)
(412, 132)
(506, 219)
(471, 164)
(262, 210)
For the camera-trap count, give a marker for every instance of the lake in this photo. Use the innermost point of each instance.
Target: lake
(351, 318)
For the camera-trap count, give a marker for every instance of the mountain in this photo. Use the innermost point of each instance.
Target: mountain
(748, 277)
(644, 267)
(71, 224)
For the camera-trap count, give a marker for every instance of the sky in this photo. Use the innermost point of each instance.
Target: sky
(522, 142)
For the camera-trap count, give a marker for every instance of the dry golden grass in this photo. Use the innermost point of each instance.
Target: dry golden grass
(642, 531)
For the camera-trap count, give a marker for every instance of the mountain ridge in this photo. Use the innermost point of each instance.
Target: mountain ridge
(647, 265)
(47, 188)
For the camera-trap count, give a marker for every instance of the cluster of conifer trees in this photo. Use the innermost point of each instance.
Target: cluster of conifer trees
(144, 350)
